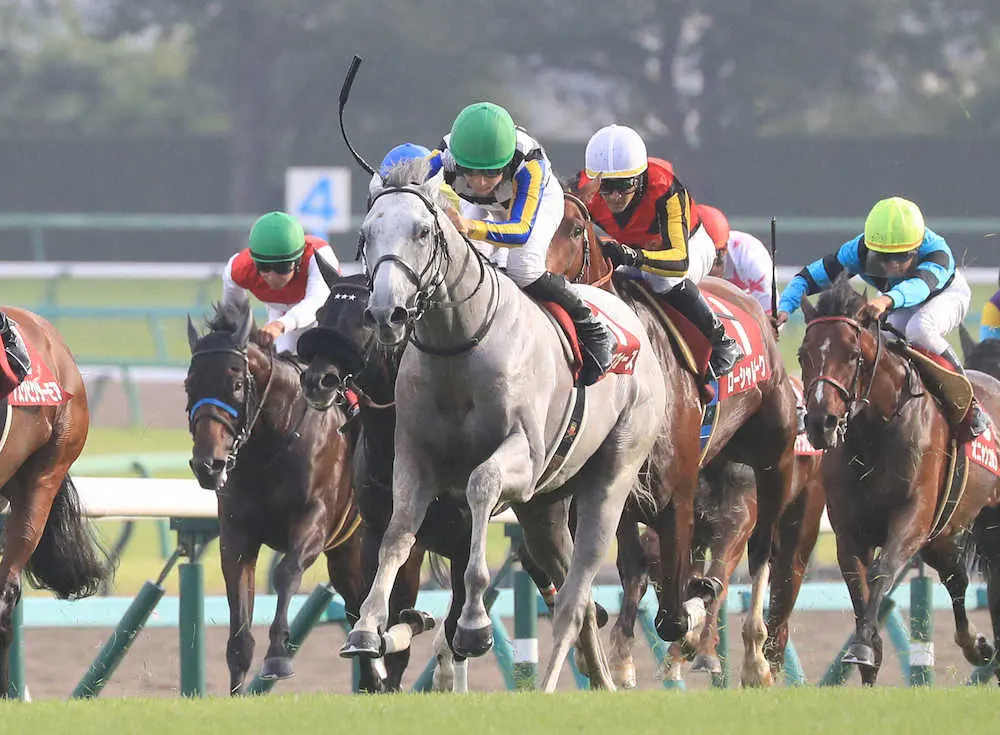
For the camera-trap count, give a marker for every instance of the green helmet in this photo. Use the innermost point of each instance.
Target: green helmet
(483, 136)
(277, 238)
(894, 225)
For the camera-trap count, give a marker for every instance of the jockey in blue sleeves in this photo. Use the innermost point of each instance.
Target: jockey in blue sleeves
(914, 270)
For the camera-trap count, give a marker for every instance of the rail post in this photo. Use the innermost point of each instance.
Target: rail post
(18, 687)
(921, 629)
(525, 618)
(193, 535)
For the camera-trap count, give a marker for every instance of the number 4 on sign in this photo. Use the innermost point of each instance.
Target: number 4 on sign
(319, 201)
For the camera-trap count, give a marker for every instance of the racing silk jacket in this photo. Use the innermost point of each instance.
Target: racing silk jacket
(659, 220)
(296, 304)
(933, 273)
(513, 203)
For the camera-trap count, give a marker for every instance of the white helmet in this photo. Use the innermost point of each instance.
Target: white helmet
(615, 152)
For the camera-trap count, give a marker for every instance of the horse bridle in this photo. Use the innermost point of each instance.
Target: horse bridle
(855, 403)
(252, 406)
(439, 263)
(585, 266)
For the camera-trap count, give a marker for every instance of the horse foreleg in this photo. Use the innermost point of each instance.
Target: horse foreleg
(675, 527)
(412, 494)
(632, 571)
(505, 473)
(798, 531)
(239, 563)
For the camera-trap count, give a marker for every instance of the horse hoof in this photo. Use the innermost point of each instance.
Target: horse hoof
(670, 630)
(705, 664)
(362, 644)
(276, 668)
(602, 615)
(419, 621)
(472, 643)
(859, 653)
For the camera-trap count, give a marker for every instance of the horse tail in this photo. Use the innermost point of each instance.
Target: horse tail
(69, 559)
(440, 570)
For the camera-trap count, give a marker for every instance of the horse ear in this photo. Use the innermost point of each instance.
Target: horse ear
(242, 335)
(327, 270)
(588, 191)
(808, 310)
(968, 343)
(192, 334)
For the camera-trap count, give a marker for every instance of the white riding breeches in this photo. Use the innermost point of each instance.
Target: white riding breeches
(701, 256)
(926, 324)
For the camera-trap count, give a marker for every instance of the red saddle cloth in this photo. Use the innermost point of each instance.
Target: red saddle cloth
(39, 387)
(742, 327)
(626, 344)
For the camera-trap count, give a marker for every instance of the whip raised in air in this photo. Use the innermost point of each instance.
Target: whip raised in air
(345, 92)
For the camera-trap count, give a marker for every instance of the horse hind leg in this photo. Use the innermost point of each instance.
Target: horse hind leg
(632, 571)
(946, 556)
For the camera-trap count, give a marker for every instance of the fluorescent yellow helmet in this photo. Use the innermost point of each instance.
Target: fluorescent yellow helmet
(895, 225)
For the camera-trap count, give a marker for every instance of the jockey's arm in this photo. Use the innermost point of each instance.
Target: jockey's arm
(673, 215)
(317, 292)
(820, 275)
(231, 292)
(514, 231)
(935, 266)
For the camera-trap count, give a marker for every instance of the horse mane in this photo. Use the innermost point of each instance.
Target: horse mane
(412, 174)
(841, 299)
(985, 357)
(225, 317)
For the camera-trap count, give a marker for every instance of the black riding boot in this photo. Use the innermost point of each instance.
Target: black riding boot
(595, 341)
(17, 351)
(687, 299)
(978, 422)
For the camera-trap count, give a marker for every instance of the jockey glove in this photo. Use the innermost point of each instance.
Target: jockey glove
(622, 255)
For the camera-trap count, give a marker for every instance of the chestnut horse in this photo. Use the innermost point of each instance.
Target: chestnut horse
(769, 511)
(45, 534)
(282, 474)
(885, 470)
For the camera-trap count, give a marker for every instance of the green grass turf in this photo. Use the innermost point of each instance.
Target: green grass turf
(802, 711)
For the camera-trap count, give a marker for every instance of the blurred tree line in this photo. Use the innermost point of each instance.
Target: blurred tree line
(266, 75)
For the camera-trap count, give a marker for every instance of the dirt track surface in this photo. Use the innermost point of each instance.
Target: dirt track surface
(57, 659)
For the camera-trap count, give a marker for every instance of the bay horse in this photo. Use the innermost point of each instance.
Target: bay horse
(753, 463)
(484, 401)
(281, 471)
(886, 468)
(45, 534)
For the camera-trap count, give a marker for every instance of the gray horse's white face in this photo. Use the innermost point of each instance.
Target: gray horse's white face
(399, 235)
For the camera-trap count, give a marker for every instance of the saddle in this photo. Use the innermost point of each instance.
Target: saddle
(952, 391)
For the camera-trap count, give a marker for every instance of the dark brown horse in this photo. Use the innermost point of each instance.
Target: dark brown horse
(344, 359)
(757, 431)
(282, 471)
(887, 453)
(45, 535)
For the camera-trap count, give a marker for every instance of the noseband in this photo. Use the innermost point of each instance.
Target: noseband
(433, 277)
(250, 411)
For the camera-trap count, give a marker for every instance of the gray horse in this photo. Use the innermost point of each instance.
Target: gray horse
(483, 404)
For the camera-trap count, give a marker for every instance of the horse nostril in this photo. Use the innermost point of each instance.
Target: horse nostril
(216, 466)
(369, 318)
(830, 422)
(329, 381)
(398, 316)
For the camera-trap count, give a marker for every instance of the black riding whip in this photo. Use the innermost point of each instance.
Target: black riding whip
(774, 271)
(345, 92)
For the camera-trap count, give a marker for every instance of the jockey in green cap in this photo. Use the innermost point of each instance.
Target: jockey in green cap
(280, 268)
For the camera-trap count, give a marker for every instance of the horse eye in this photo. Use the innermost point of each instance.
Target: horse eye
(424, 232)
(578, 231)
(238, 386)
